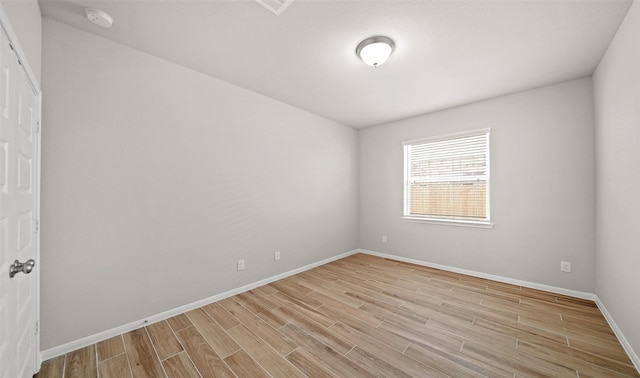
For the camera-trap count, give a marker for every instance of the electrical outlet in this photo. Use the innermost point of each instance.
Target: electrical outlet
(276, 255)
(240, 264)
(384, 238)
(565, 266)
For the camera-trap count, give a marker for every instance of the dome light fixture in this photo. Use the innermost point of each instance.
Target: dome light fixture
(375, 50)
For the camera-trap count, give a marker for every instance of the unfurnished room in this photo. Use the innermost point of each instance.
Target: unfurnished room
(319, 188)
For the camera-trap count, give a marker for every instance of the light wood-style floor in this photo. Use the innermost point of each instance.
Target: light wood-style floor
(367, 316)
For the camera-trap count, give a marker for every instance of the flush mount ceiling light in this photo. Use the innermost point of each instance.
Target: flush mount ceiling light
(98, 17)
(375, 50)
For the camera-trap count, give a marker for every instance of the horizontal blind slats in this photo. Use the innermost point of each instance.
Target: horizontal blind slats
(448, 177)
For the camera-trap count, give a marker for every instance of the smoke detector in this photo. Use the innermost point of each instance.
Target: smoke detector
(275, 6)
(99, 17)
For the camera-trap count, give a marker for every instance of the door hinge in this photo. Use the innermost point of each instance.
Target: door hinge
(18, 59)
(36, 226)
(37, 327)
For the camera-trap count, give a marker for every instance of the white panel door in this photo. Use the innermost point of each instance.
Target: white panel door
(18, 212)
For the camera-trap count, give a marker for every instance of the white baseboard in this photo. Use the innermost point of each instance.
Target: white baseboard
(531, 285)
(623, 340)
(86, 341)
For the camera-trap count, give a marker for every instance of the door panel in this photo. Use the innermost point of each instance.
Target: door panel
(25, 173)
(18, 209)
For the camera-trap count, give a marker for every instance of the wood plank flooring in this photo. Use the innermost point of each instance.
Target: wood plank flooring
(364, 316)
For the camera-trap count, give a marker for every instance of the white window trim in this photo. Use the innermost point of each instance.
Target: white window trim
(449, 222)
(477, 223)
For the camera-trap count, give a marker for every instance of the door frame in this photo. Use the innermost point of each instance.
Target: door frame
(5, 24)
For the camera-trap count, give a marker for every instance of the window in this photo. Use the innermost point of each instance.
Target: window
(447, 179)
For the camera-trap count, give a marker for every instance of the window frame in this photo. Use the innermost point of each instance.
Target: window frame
(468, 222)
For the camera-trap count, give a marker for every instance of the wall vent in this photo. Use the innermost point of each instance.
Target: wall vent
(275, 6)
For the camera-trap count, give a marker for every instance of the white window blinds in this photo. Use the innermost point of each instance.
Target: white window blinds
(448, 177)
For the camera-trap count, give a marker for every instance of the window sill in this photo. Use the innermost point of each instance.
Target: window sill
(450, 222)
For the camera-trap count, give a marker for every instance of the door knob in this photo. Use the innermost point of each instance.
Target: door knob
(25, 267)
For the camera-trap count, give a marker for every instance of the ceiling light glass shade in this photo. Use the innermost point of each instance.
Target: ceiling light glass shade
(375, 50)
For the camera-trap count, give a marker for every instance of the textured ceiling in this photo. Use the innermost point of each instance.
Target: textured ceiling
(448, 53)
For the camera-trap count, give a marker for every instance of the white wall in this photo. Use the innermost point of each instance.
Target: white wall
(156, 179)
(26, 21)
(542, 188)
(617, 114)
